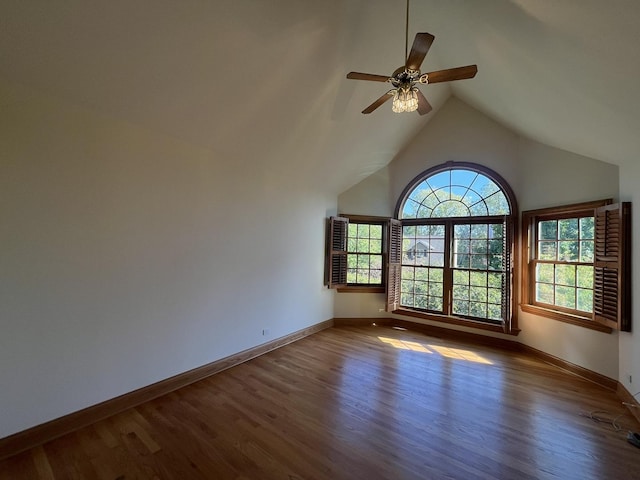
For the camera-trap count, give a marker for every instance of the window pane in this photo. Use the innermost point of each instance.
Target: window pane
(498, 204)
(566, 275)
(496, 246)
(478, 294)
(495, 280)
(494, 312)
(407, 286)
(460, 307)
(545, 272)
(586, 251)
(375, 246)
(436, 274)
(479, 262)
(362, 275)
(544, 293)
(494, 295)
(460, 277)
(496, 262)
(363, 261)
(479, 209)
(478, 309)
(479, 246)
(565, 296)
(435, 303)
(568, 229)
(450, 208)
(376, 231)
(548, 230)
(407, 273)
(586, 228)
(496, 230)
(351, 275)
(461, 292)
(585, 276)
(478, 278)
(585, 300)
(568, 251)
(479, 231)
(462, 231)
(363, 245)
(547, 250)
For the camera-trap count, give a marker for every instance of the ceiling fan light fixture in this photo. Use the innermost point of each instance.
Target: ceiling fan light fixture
(405, 100)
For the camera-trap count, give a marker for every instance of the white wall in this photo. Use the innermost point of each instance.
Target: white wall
(539, 175)
(557, 177)
(129, 256)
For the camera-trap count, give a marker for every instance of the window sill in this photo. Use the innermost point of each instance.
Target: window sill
(362, 289)
(455, 321)
(565, 317)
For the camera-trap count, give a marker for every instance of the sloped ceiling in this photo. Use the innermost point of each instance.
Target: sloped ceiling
(265, 81)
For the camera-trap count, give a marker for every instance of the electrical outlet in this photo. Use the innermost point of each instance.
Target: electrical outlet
(265, 332)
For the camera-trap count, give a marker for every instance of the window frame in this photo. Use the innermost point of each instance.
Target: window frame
(343, 286)
(529, 236)
(509, 324)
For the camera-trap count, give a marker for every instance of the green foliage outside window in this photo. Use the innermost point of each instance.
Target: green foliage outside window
(564, 268)
(364, 254)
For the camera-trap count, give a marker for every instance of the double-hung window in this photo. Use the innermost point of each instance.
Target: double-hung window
(357, 253)
(576, 264)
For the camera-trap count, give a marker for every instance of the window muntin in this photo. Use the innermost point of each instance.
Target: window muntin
(456, 245)
(478, 270)
(364, 253)
(456, 193)
(422, 270)
(563, 263)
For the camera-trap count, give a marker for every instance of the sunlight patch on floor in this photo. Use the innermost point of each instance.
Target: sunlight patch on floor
(447, 352)
(405, 345)
(460, 354)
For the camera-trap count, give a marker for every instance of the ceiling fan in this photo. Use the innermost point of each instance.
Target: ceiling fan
(405, 94)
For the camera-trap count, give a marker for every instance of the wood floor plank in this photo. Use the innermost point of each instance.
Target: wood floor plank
(358, 402)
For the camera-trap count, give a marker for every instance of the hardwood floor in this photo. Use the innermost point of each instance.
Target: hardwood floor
(358, 403)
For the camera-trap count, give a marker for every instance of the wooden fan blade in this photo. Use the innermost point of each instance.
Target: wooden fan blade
(378, 102)
(423, 105)
(367, 76)
(419, 50)
(459, 73)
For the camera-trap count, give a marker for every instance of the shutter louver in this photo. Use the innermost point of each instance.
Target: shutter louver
(336, 252)
(393, 265)
(507, 279)
(612, 279)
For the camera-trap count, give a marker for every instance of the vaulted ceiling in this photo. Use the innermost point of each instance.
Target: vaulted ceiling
(265, 81)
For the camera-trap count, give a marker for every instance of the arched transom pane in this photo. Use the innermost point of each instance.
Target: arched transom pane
(455, 193)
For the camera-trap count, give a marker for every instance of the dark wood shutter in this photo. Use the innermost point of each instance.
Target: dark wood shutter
(394, 258)
(335, 275)
(507, 280)
(612, 266)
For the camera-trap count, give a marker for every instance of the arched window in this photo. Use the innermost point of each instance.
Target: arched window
(455, 259)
